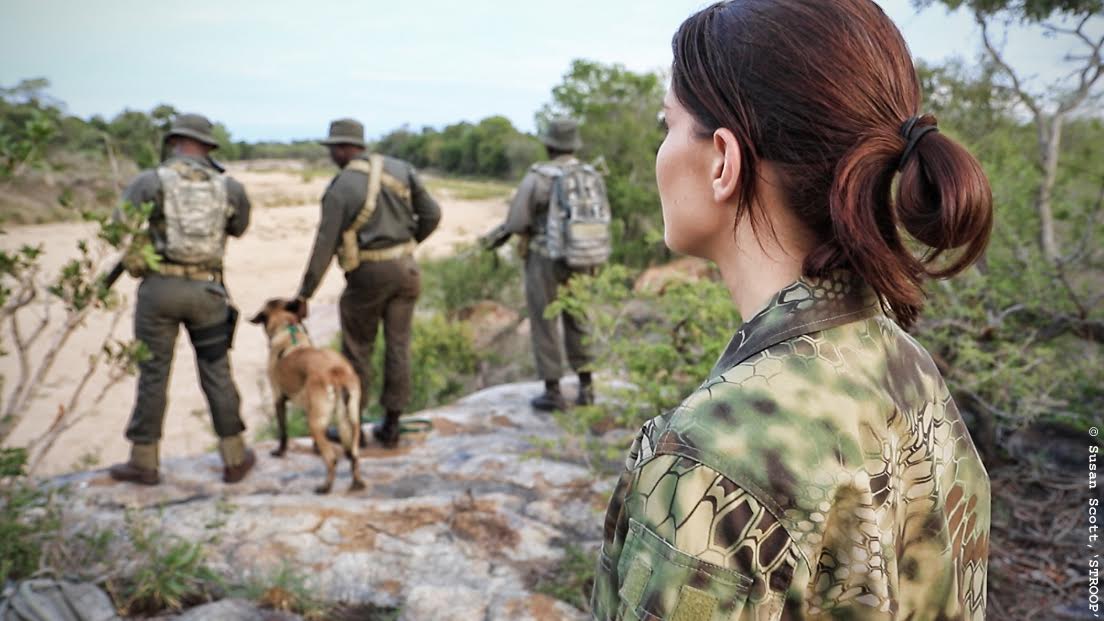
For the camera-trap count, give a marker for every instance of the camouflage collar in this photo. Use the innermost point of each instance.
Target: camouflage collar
(809, 305)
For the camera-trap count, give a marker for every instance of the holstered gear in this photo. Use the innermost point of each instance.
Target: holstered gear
(349, 256)
(211, 342)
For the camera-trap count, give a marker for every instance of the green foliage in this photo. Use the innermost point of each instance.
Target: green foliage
(618, 111)
(442, 357)
(285, 589)
(24, 146)
(28, 518)
(168, 572)
(1028, 10)
(453, 283)
(297, 426)
(572, 579)
(490, 148)
(468, 189)
(664, 343)
(1011, 334)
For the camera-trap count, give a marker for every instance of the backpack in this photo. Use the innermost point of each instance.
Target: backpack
(196, 208)
(578, 217)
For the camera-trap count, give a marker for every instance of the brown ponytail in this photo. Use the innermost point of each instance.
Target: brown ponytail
(821, 90)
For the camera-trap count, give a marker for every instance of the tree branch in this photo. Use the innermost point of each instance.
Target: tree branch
(998, 58)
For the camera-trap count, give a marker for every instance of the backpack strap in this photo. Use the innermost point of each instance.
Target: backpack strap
(349, 258)
(374, 168)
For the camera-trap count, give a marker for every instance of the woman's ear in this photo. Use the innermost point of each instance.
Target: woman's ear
(726, 165)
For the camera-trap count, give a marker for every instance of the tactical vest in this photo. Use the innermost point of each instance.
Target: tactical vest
(578, 219)
(196, 208)
(349, 255)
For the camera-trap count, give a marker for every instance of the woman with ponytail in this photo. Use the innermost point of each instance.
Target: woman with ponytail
(822, 471)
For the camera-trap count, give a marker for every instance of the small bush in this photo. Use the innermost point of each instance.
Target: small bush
(29, 520)
(661, 346)
(169, 573)
(471, 276)
(572, 579)
(287, 590)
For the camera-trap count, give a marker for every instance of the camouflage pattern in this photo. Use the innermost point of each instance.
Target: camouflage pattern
(821, 472)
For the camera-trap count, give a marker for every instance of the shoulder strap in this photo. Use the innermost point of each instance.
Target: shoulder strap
(375, 175)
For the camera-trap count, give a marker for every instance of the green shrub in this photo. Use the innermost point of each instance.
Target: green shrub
(572, 579)
(284, 589)
(29, 519)
(453, 283)
(169, 573)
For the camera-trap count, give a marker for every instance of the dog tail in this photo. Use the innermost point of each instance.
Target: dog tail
(347, 419)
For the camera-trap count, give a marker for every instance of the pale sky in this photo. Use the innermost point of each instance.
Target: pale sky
(280, 70)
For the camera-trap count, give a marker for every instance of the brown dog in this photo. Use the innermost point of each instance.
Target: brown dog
(320, 381)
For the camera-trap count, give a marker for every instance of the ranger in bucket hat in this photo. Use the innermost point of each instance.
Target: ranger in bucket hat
(345, 131)
(194, 126)
(544, 272)
(374, 214)
(195, 207)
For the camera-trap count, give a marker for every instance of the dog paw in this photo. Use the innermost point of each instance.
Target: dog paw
(278, 452)
(322, 489)
(356, 486)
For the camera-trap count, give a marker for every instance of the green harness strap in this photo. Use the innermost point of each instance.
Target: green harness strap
(408, 425)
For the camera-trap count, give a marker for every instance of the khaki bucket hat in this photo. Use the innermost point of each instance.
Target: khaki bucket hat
(194, 126)
(562, 134)
(345, 131)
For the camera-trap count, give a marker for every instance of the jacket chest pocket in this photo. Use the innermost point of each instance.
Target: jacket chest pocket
(659, 582)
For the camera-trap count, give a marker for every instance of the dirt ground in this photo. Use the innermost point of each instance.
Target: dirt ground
(267, 261)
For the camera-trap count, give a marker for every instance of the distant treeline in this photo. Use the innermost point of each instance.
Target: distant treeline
(492, 147)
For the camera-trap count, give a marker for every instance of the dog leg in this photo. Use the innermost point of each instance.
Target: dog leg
(281, 424)
(329, 455)
(352, 451)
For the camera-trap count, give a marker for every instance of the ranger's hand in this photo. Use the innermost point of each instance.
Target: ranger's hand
(494, 239)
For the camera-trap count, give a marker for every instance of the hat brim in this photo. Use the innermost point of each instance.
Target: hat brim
(573, 145)
(356, 142)
(187, 133)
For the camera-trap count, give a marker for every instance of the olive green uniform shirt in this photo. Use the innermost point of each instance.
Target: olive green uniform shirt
(404, 211)
(146, 188)
(529, 206)
(821, 472)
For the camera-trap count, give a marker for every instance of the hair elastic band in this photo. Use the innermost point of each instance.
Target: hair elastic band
(913, 134)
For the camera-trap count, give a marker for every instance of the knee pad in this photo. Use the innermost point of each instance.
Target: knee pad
(210, 342)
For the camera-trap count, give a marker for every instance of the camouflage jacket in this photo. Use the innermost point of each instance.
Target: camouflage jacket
(821, 472)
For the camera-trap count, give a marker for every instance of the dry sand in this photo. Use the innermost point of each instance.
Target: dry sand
(267, 262)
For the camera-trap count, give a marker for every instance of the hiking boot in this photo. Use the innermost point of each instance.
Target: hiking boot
(388, 432)
(333, 436)
(549, 401)
(141, 468)
(130, 473)
(233, 474)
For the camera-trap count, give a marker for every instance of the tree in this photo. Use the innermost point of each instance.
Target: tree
(1052, 109)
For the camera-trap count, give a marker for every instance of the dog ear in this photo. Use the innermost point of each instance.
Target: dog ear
(297, 306)
(260, 318)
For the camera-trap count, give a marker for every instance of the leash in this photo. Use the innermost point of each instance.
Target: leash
(408, 425)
